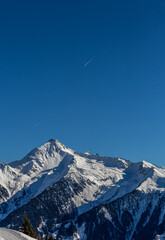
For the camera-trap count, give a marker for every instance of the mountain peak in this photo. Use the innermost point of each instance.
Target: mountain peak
(47, 156)
(53, 140)
(56, 143)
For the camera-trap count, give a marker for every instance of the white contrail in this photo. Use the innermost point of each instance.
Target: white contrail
(89, 61)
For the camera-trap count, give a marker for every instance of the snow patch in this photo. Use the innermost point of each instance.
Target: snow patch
(8, 234)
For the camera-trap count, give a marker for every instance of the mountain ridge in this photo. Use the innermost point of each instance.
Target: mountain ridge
(85, 181)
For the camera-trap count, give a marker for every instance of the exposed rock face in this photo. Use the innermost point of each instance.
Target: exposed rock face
(3, 194)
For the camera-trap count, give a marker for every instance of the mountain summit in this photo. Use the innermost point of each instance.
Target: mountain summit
(57, 186)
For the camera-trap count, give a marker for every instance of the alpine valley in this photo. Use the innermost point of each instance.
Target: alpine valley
(85, 196)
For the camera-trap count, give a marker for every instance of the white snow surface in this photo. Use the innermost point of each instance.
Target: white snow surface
(8, 234)
(106, 178)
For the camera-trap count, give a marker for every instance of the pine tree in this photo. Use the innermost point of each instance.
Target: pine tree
(50, 237)
(46, 237)
(26, 228)
(39, 237)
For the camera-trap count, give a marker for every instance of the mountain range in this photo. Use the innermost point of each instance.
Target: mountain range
(85, 196)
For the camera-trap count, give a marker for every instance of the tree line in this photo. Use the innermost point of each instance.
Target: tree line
(27, 229)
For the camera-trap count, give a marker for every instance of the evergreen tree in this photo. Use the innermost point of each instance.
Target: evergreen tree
(50, 237)
(39, 237)
(46, 237)
(27, 229)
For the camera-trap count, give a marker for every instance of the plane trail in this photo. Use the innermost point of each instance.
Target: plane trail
(90, 60)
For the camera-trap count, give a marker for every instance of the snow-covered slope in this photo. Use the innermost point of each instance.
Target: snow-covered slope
(39, 162)
(21, 180)
(72, 183)
(8, 234)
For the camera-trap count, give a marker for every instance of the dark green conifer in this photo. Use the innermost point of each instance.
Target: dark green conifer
(39, 236)
(50, 237)
(46, 237)
(26, 228)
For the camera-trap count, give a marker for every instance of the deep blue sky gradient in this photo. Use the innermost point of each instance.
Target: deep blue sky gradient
(113, 106)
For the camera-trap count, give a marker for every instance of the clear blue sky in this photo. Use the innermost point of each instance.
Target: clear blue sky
(115, 105)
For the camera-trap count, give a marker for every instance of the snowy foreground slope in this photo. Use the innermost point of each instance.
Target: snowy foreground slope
(8, 234)
(72, 195)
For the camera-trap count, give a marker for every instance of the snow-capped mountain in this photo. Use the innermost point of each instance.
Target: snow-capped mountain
(71, 194)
